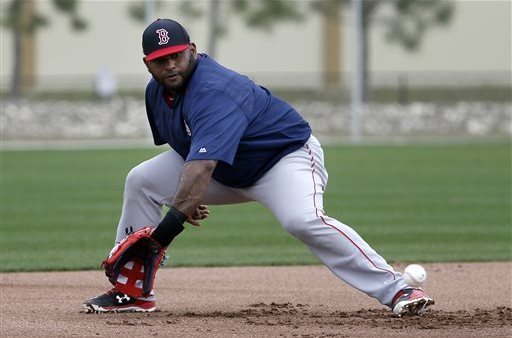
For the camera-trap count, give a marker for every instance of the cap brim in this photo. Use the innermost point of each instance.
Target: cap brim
(166, 51)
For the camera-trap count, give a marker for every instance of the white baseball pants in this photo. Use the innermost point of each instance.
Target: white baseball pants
(293, 191)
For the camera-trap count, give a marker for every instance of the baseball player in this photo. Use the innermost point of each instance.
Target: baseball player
(233, 141)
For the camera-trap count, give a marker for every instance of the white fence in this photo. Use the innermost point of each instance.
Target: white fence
(125, 118)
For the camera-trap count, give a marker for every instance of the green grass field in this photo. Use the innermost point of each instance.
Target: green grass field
(412, 203)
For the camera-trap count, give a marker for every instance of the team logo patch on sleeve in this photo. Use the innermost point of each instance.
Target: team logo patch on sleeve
(187, 128)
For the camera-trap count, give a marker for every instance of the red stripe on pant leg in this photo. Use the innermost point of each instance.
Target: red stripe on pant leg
(358, 248)
(313, 177)
(335, 228)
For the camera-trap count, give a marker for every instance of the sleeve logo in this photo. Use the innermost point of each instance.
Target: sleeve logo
(163, 35)
(187, 128)
(202, 150)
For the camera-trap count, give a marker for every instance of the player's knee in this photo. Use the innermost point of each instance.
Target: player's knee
(136, 179)
(300, 225)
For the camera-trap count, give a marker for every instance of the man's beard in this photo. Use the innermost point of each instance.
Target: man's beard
(180, 82)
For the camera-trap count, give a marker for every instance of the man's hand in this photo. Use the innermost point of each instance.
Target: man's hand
(201, 212)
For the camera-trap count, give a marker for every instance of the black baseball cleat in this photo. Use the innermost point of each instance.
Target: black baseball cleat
(411, 302)
(115, 301)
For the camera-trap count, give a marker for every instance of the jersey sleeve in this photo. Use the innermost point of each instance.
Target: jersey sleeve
(217, 123)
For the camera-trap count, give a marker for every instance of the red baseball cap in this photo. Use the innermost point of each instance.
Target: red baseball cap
(164, 37)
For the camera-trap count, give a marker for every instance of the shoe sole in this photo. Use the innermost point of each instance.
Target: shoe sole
(414, 307)
(91, 308)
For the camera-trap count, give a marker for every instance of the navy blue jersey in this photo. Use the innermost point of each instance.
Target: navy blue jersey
(224, 116)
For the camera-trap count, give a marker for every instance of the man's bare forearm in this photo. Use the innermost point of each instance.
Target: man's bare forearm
(193, 184)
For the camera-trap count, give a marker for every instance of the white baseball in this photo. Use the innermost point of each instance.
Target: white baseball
(415, 275)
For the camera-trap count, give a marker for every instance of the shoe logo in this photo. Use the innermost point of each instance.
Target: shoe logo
(120, 299)
(202, 150)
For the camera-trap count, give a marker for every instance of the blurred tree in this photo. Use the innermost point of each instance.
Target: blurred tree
(137, 9)
(260, 14)
(22, 18)
(406, 23)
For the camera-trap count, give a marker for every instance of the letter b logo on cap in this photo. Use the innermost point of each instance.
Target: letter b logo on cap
(163, 35)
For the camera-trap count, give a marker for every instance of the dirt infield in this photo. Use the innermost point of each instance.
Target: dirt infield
(472, 300)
